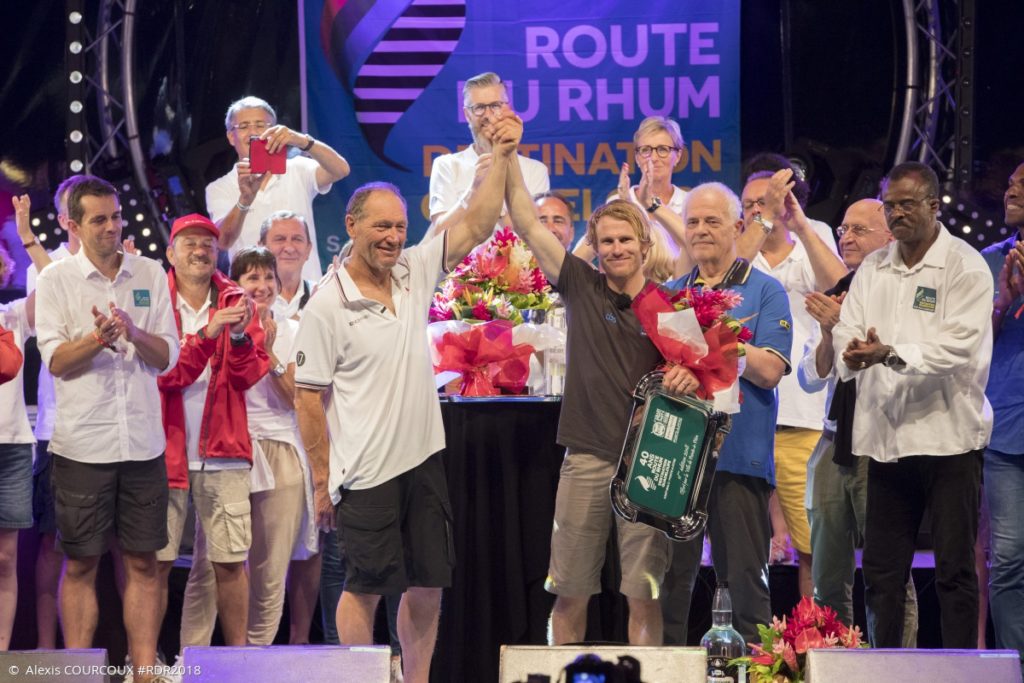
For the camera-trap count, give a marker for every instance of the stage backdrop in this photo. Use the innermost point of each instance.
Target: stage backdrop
(382, 83)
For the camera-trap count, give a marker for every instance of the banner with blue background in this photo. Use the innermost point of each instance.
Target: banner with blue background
(382, 84)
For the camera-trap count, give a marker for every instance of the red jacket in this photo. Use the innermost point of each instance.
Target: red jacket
(10, 356)
(233, 369)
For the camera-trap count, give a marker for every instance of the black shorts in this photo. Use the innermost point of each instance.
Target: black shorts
(92, 501)
(398, 534)
(42, 492)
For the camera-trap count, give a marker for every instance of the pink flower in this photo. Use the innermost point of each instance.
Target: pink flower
(481, 312)
(789, 657)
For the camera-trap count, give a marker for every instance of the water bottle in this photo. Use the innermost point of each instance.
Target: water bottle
(723, 643)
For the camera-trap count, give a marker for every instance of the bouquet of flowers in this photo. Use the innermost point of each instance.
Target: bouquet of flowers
(782, 655)
(496, 281)
(693, 328)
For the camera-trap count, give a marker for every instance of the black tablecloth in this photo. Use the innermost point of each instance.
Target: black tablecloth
(503, 465)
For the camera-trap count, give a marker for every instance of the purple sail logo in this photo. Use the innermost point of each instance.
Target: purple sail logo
(409, 54)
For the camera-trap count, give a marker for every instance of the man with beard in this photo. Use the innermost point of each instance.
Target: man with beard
(1004, 457)
(453, 177)
(915, 331)
(208, 447)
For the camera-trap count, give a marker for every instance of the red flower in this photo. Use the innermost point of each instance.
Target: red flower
(481, 312)
(745, 334)
(807, 639)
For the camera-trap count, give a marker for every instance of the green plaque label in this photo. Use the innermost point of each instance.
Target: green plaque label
(665, 462)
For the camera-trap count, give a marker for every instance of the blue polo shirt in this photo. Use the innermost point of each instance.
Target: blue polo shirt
(750, 447)
(1005, 390)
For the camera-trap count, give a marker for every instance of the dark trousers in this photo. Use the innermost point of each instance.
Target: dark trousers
(740, 535)
(898, 493)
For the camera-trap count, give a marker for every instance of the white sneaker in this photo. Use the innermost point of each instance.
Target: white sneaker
(396, 669)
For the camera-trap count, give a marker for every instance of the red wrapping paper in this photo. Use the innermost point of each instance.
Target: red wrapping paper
(715, 371)
(487, 358)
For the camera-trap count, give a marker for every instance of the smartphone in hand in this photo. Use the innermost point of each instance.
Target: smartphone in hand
(261, 161)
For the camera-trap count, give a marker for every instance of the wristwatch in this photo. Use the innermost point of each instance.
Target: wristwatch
(655, 205)
(277, 370)
(766, 224)
(891, 359)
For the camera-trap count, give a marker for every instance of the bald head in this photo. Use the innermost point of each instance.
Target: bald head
(864, 230)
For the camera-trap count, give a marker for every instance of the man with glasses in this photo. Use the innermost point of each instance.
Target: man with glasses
(837, 481)
(454, 177)
(239, 201)
(915, 331)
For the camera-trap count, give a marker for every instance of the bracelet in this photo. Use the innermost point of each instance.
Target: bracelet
(309, 145)
(99, 340)
(242, 207)
(31, 243)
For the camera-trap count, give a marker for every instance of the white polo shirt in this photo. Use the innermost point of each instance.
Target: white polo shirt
(110, 411)
(452, 174)
(14, 425)
(293, 191)
(937, 316)
(46, 407)
(797, 408)
(383, 414)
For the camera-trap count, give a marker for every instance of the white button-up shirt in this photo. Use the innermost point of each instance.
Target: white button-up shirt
(110, 411)
(937, 316)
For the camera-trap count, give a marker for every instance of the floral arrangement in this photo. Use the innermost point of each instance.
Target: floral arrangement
(782, 655)
(693, 328)
(496, 281)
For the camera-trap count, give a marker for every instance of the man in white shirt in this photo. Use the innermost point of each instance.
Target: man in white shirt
(801, 254)
(915, 330)
(106, 330)
(286, 235)
(376, 452)
(239, 200)
(453, 177)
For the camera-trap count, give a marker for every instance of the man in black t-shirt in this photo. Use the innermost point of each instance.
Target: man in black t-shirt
(608, 353)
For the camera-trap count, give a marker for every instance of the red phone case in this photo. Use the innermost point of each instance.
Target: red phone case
(260, 161)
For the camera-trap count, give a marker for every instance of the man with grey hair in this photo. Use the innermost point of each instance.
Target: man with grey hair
(454, 177)
(738, 507)
(375, 451)
(286, 235)
(240, 200)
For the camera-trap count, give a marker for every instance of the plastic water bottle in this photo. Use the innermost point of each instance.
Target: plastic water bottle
(723, 643)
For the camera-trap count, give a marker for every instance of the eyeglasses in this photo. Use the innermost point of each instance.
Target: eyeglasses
(258, 126)
(751, 203)
(904, 205)
(854, 229)
(479, 110)
(662, 150)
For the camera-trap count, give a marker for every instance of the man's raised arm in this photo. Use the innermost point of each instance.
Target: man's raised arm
(545, 246)
(484, 208)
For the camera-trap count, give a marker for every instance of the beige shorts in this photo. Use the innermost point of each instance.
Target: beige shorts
(583, 520)
(177, 508)
(221, 500)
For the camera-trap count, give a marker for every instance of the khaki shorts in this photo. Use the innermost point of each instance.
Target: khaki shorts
(177, 508)
(583, 520)
(221, 500)
(793, 448)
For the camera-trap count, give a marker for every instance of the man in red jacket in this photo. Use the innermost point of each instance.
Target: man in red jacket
(208, 446)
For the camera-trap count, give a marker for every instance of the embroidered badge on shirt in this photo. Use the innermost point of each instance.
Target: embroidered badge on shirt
(924, 299)
(784, 324)
(141, 297)
(300, 358)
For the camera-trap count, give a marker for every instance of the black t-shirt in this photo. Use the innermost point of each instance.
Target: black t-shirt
(607, 352)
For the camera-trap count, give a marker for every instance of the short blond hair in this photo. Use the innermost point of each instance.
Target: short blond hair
(659, 265)
(622, 210)
(658, 124)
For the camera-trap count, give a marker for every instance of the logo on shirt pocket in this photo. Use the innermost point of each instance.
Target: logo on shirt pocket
(925, 299)
(141, 297)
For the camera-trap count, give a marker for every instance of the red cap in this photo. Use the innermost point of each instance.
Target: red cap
(194, 220)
